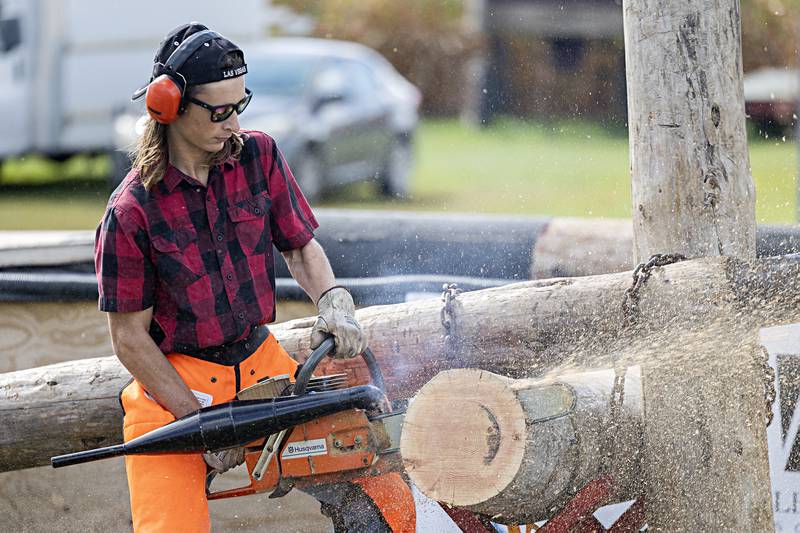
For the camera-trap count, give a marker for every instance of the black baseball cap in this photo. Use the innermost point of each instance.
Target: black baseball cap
(205, 65)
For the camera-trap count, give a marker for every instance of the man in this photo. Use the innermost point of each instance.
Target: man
(185, 271)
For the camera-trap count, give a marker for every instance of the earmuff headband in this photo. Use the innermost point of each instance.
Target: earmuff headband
(188, 47)
(178, 57)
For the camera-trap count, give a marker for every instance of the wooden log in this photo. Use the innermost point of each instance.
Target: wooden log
(517, 449)
(692, 190)
(706, 456)
(576, 247)
(72, 405)
(518, 330)
(41, 248)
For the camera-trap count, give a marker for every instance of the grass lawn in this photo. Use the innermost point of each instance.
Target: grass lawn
(513, 167)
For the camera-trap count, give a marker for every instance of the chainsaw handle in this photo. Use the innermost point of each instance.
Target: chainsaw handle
(324, 349)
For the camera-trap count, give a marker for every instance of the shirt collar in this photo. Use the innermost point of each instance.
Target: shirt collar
(173, 176)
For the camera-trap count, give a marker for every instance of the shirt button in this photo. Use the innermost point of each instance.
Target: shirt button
(220, 252)
(241, 316)
(219, 237)
(257, 211)
(229, 276)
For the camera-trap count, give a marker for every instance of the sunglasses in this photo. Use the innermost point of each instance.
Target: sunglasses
(222, 112)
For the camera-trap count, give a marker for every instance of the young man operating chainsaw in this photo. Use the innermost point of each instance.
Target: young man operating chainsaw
(184, 260)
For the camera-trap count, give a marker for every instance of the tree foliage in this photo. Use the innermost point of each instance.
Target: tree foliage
(425, 40)
(429, 43)
(770, 32)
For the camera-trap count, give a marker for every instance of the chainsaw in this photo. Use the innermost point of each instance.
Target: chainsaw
(314, 431)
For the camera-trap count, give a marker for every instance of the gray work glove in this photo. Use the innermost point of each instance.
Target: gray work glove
(222, 461)
(337, 317)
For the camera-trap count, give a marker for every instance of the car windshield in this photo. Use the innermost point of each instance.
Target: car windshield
(280, 75)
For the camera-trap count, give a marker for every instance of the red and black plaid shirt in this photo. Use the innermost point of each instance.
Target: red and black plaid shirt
(202, 256)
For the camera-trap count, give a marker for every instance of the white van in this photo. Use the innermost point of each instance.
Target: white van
(68, 66)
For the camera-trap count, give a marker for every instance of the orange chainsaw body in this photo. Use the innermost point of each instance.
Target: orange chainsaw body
(330, 449)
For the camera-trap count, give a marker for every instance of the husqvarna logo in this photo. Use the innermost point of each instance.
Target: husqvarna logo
(305, 448)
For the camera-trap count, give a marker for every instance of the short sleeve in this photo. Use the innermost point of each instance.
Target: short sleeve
(291, 220)
(124, 271)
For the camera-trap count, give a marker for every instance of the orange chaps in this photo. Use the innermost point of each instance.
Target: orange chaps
(168, 491)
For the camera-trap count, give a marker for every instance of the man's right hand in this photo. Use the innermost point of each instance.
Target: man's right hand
(137, 352)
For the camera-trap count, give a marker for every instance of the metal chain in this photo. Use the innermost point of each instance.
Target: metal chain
(770, 393)
(448, 316)
(630, 308)
(642, 272)
(617, 392)
(616, 401)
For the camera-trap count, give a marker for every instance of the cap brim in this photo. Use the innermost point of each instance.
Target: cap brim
(139, 92)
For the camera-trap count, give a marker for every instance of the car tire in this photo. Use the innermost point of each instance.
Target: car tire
(395, 178)
(308, 171)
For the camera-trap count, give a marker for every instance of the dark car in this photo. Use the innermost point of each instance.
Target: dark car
(771, 98)
(338, 110)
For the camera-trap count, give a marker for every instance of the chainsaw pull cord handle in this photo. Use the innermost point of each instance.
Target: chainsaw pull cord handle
(327, 346)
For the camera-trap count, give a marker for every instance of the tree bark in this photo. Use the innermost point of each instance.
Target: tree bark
(706, 455)
(692, 191)
(516, 449)
(518, 330)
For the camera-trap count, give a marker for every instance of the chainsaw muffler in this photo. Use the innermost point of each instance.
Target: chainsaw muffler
(232, 424)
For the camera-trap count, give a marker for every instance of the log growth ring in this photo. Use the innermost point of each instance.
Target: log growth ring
(473, 426)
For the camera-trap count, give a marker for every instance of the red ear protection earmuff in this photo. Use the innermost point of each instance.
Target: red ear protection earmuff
(164, 98)
(164, 93)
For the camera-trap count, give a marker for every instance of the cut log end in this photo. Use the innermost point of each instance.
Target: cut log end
(473, 425)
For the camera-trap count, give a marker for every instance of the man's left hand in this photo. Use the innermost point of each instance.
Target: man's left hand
(222, 461)
(337, 318)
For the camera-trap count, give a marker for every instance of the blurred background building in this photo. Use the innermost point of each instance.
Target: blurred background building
(540, 59)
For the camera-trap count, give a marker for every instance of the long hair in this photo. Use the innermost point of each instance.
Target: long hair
(151, 155)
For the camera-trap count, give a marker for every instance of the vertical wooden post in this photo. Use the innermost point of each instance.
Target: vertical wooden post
(706, 464)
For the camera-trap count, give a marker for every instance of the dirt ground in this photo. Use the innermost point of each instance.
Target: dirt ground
(94, 498)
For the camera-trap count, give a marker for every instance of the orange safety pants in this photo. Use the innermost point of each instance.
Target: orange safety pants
(168, 491)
